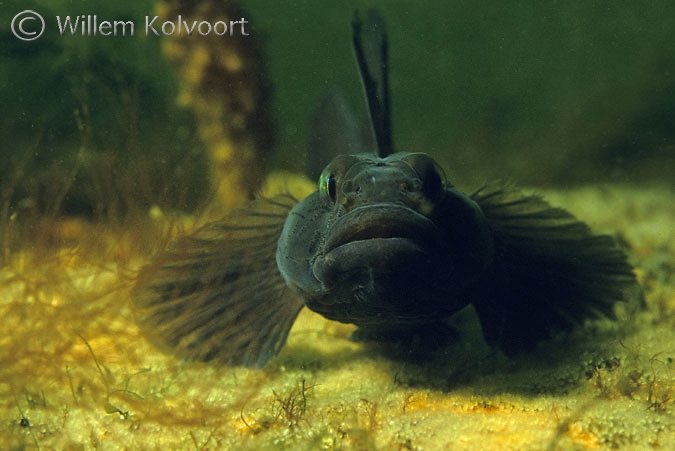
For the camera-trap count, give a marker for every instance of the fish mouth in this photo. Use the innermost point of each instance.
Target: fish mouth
(372, 249)
(381, 222)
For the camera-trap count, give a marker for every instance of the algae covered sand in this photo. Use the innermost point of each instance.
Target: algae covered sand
(77, 373)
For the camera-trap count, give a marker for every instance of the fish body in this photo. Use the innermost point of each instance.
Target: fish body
(387, 243)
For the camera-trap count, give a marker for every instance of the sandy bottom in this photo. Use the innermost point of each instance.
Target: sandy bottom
(77, 373)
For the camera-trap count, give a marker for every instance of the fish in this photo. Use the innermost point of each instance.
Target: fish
(386, 242)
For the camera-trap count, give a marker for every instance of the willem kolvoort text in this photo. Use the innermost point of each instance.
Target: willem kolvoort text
(87, 25)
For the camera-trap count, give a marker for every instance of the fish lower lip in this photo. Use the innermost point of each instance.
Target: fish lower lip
(380, 221)
(365, 261)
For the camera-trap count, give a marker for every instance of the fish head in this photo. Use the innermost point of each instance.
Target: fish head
(380, 239)
(411, 180)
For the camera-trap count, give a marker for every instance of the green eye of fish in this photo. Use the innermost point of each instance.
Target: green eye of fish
(328, 184)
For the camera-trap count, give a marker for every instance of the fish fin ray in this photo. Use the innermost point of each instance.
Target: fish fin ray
(217, 295)
(371, 49)
(551, 272)
(333, 131)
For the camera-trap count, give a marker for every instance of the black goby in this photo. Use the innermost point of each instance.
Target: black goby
(387, 243)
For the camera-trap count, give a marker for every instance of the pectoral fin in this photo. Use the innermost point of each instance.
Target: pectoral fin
(551, 272)
(217, 294)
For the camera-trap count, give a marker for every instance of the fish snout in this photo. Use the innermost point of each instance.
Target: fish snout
(384, 184)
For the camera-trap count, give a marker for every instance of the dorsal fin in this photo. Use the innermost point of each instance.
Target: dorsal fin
(371, 50)
(333, 131)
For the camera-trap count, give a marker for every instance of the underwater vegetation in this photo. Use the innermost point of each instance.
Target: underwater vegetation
(227, 88)
(120, 131)
(90, 129)
(77, 372)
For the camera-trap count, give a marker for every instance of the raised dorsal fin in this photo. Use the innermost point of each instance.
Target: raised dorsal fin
(333, 131)
(371, 50)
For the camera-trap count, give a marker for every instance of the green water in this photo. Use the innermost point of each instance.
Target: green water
(545, 94)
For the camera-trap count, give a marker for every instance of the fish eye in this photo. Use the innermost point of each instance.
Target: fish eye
(328, 184)
(334, 175)
(430, 173)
